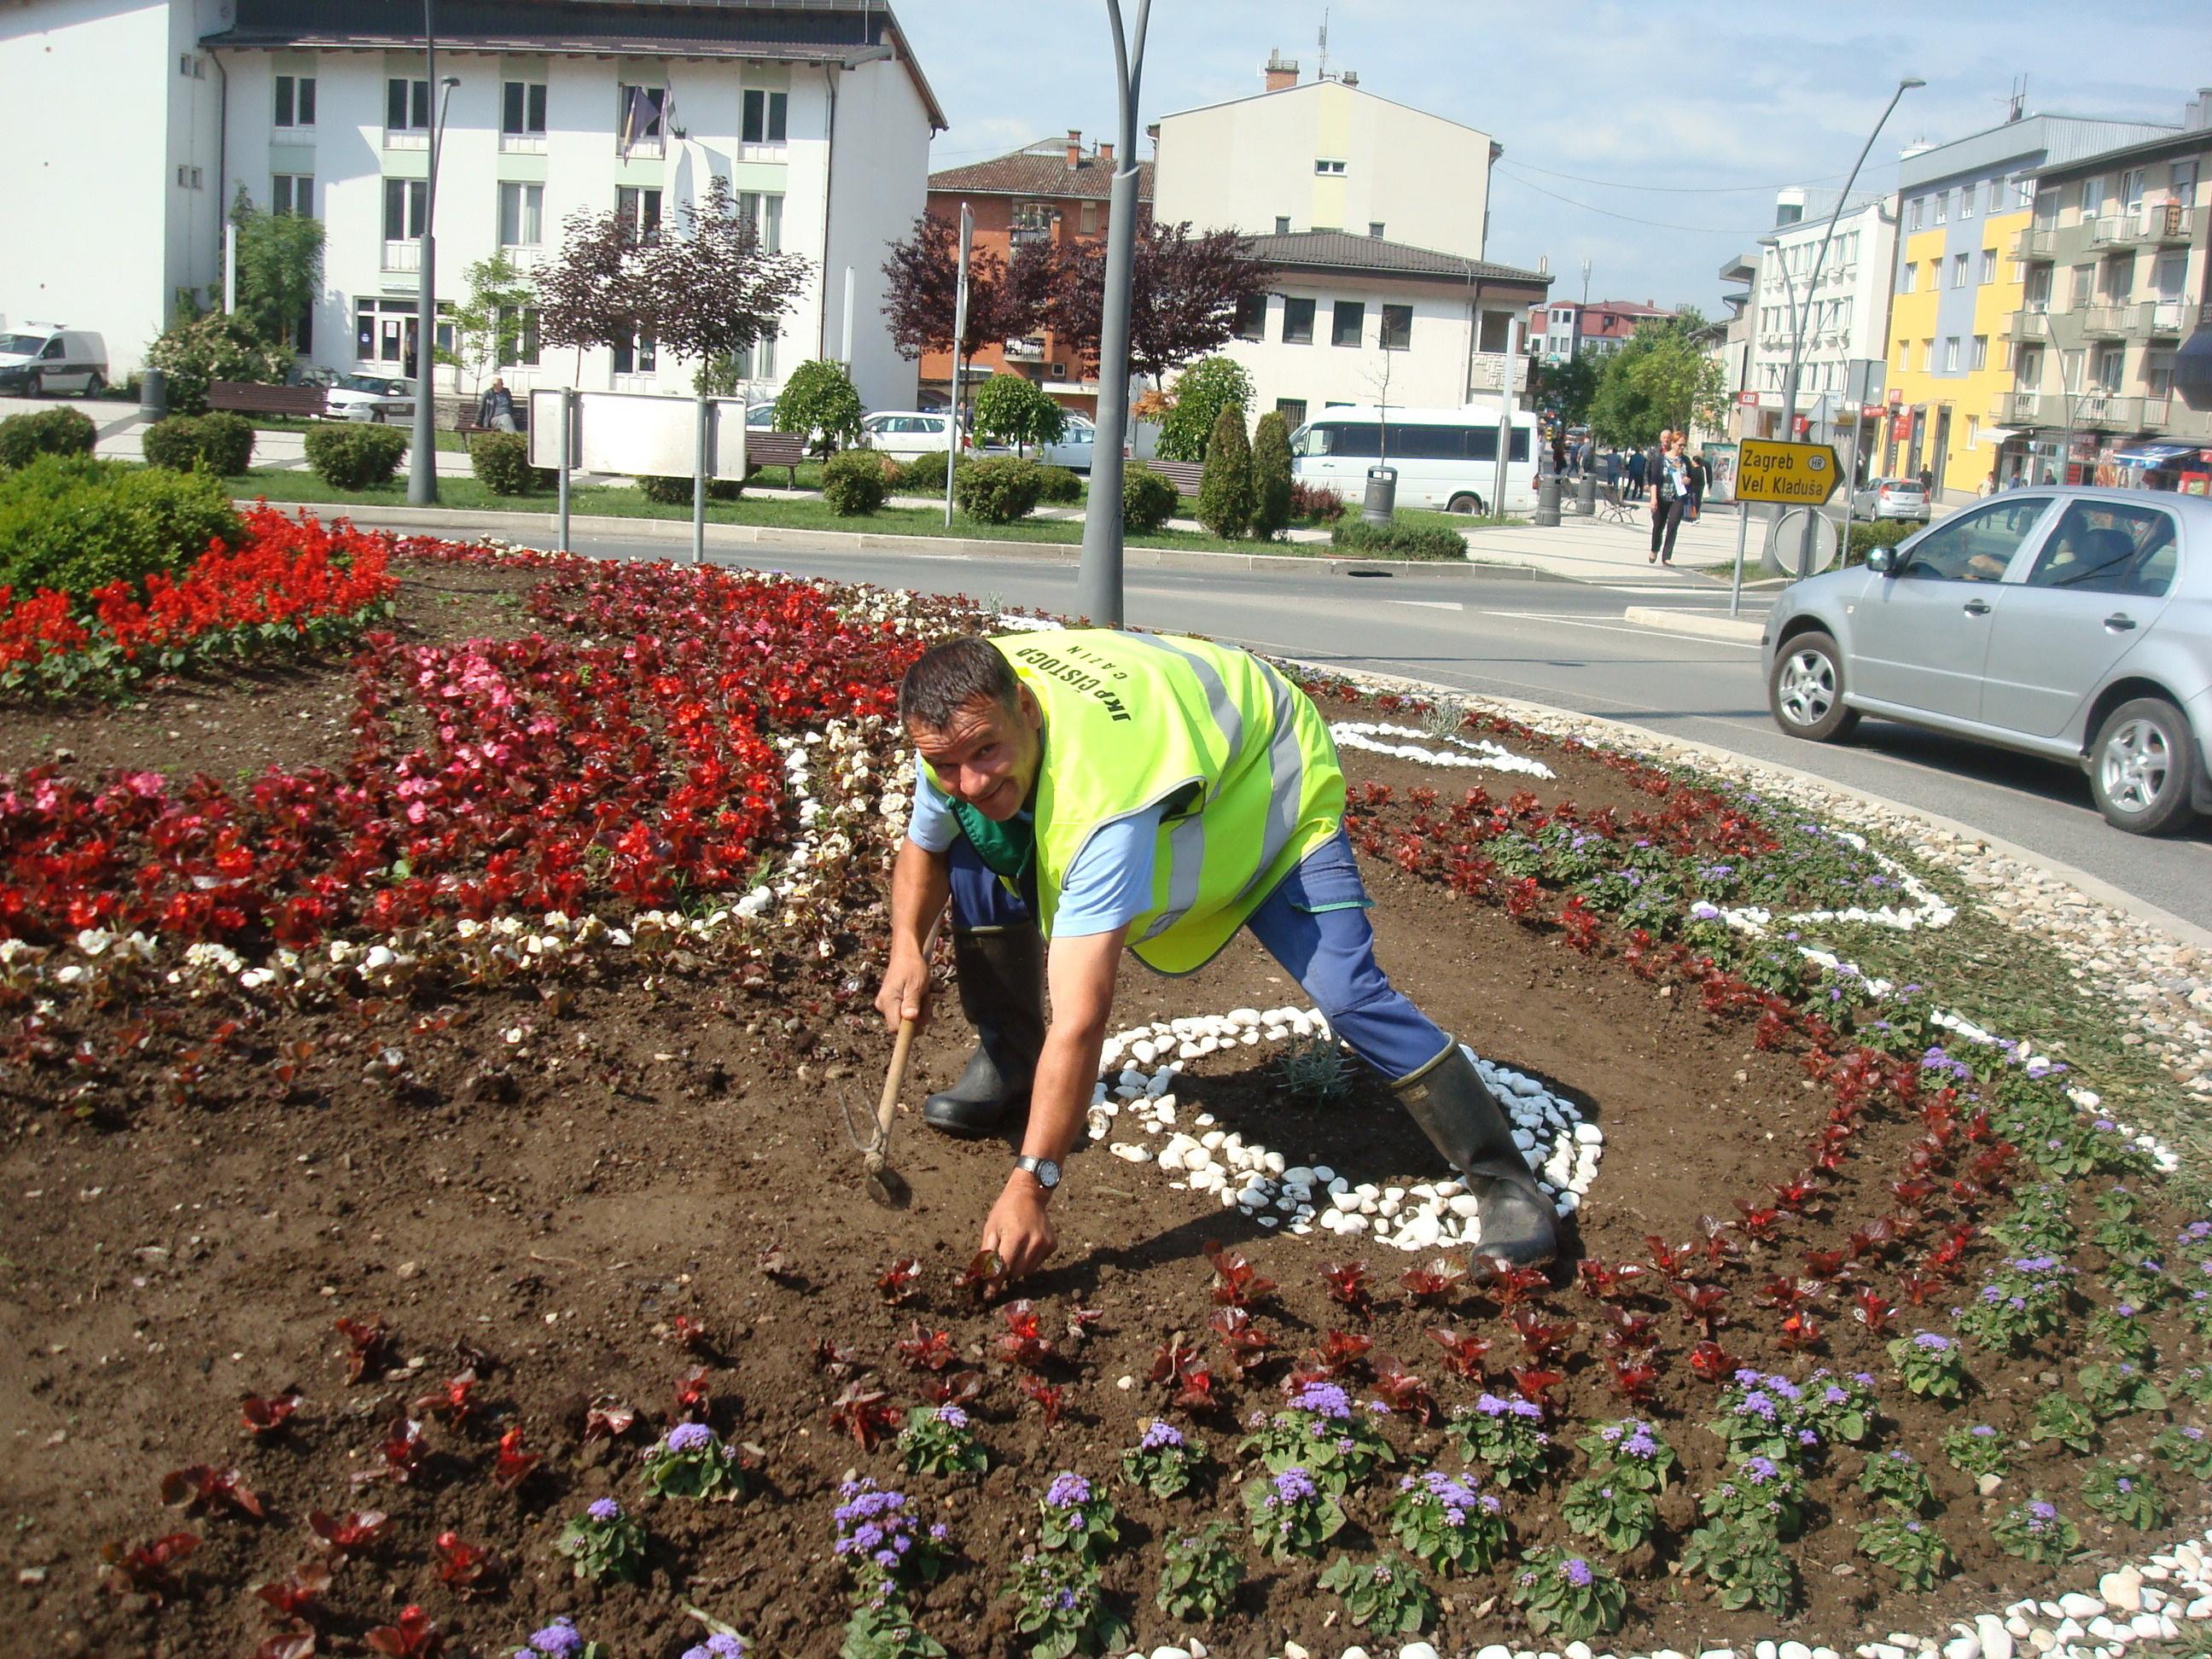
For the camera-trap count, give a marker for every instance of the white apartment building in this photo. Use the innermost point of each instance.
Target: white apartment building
(1359, 319)
(1326, 154)
(1845, 315)
(815, 112)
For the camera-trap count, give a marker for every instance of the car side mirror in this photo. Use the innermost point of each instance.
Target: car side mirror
(1882, 560)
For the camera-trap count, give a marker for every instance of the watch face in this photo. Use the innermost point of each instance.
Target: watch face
(1046, 1172)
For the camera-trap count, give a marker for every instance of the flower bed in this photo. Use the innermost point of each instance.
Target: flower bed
(491, 1148)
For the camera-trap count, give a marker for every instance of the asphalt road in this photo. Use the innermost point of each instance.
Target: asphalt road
(1564, 644)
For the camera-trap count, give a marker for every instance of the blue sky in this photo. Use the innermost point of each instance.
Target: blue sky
(1687, 125)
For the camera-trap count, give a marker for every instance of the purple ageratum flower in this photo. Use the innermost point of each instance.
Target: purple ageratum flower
(1065, 1600)
(1161, 1434)
(1983, 1431)
(951, 1416)
(1324, 1400)
(1757, 1403)
(685, 1436)
(558, 1640)
(1526, 1410)
(1576, 1570)
(604, 1509)
(1932, 1342)
(1640, 1445)
(2042, 1512)
(1292, 1484)
(938, 1532)
(1759, 1470)
(725, 1645)
(1067, 1491)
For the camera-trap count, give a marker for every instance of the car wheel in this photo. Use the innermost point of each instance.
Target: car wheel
(1806, 690)
(1465, 501)
(2143, 767)
(95, 384)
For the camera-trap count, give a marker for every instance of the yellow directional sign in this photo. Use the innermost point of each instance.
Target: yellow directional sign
(1769, 470)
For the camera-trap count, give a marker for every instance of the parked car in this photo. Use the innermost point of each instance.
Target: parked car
(48, 360)
(1071, 449)
(904, 434)
(1891, 498)
(2074, 623)
(373, 398)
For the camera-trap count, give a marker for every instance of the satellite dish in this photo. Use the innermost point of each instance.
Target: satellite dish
(1785, 543)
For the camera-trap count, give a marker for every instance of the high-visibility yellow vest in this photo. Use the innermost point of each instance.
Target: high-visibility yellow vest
(1240, 759)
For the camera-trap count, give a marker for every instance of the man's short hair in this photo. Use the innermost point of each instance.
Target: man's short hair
(949, 677)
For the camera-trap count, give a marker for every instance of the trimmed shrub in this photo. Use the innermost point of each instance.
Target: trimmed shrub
(664, 491)
(852, 483)
(501, 461)
(219, 346)
(1867, 535)
(355, 457)
(1314, 503)
(221, 443)
(1270, 476)
(924, 474)
(74, 524)
(998, 491)
(1014, 409)
(1059, 486)
(24, 438)
(1225, 493)
(1399, 541)
(819, 399)
(1148, 500)
(1200, 393)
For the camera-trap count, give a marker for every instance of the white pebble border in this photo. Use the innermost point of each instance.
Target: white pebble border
(1476, 752)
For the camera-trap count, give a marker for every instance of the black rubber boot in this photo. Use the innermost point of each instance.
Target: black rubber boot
(1001, 978)
(1463, 1120)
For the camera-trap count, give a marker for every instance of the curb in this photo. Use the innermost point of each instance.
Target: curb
(943, 547)
(1689, 621)
(2089, 887)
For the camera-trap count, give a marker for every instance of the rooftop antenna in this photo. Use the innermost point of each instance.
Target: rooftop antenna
(1323, 73)
(2018, 100)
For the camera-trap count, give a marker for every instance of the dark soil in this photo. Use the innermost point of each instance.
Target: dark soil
(552, 1203)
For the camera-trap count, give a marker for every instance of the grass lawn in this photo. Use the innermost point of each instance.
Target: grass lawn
(451, 443)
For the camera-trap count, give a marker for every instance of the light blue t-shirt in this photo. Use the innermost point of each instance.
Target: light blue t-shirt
(1108, 886)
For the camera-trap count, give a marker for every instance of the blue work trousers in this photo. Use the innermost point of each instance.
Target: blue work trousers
(1315, 923)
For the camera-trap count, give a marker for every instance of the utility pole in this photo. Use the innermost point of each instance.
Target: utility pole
(423, 459)
(1098, 577)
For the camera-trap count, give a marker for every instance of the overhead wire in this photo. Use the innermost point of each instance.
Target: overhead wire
(1591, 207)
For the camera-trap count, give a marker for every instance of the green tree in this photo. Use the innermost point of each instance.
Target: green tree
(1569, 387)
(280, 269)
(1270, 476)
(487, 324)
(1014, 409)
(1200, 393)
(1225, 499)
(819, 398)
(219, 346)
(1662, 378)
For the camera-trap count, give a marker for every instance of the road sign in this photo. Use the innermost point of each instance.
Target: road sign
(1787, 543)
(1749, 399)
(1768, 470)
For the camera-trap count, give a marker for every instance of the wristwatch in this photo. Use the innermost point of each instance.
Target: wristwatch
(1046, 1172)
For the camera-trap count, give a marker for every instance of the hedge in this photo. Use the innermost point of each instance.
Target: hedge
(351, 457)
(999, 491)
(501, 461)
(1148, 500)
(853, 481)
(221, 443)
(74, 524)
(1399, 541)
(24, 438)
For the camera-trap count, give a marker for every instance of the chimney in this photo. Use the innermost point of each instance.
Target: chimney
(1105, 154)
(1075, 148)
(1350, 78)
(2198, 116)
(1280, 72)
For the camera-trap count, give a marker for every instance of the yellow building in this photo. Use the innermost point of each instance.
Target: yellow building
(1958, 286)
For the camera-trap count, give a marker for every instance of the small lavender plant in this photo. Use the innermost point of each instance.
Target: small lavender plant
(1071, 1519)
(1979, 1450)
(1568, 1596)
(689, 1461)
(560, 1640)
(1629, 1454)
(940, 1440)
(1060, 1605)
(1199, 1574)
(2037, 1533)
(1505, 1434)
(604, 1543)
(1385, 1595)
(1164, 1461)
(1913, 1550)
(2122, 1492)
(1290, 1513)
(1447, 1524)
(1324, 1433)
(1929, 1364)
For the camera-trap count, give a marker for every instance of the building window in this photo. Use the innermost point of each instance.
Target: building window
(2038, 294)
(1942, 207)
(2110, 362)
(293, 193)
(2181, 183)
(405, 201)
(757, 361)
(1328, 169)
(406, 106)
(1375, 228)
(522, 115)
(384, 330)
(638, 120)
(1349, 322)
(189, 177)
(2158, 373)
(518, 333)
(2027, 366)
(2070, 368)
(1989, 273)
(2093, 195)
(1928, 356)
(1397, 328)
(1293, 411)
(296, 101)
(1965, 201)
(1904, 353)
(521, 215)
(763, 214)
(1980, 358)
(765, 115)
(1297, 322)
(1282, 224)
(1951, 355)
(639, 354)
(1032, 221)
(1995, 202)
(1957, 270)
(2085, 282)
(1919, 211)
(639, 209)
(1911, 275)
(1087, 219)
(1252, 317)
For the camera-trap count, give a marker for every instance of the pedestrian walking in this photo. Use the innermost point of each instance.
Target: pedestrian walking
(1057, 779)
(1670, 500)
(1636, 476)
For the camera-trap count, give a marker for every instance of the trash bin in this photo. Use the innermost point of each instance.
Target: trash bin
(153, 395)
(1548, 499)
(1586, 497)
(1382, 495)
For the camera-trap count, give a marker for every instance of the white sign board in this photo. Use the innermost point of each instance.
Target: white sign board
(640, 434)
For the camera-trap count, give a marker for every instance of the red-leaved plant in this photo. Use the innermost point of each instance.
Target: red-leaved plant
(415, 1636)
(200, 1487)
(867, 1414)
(264, 1416)
(1347, 1284)
(931, 1351)
(511, 1464)
(465, 1569)
(148, 1569)
(1237, 1283)
(369, 1349)
(347, 1535)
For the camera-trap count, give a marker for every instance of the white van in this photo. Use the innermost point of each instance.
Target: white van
(45, 360)
(1446, 459)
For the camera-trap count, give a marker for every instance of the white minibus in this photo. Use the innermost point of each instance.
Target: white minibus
(1446, 459)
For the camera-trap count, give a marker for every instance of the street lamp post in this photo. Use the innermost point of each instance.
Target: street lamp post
(1812, 283)
(423, 457)
(1098, 577)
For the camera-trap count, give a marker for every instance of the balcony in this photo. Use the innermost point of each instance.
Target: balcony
(2034, 242)
(522, 143)
(2141, 320)
(407, 139)
(405, 256)
(2107, 322)
(1487, 371)
(2099, 411)
(2031, 326)
(1028, 350)
(2166, 317)
(2166, 221)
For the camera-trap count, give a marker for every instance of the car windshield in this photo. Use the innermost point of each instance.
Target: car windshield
(373, 383)
(20, 345)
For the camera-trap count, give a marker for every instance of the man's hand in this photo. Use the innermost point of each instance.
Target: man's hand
(905, 992)
(1018, 1227)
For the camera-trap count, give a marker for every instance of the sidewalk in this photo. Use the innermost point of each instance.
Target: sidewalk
(1608, 552)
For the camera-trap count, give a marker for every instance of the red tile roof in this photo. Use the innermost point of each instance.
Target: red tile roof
(1040, 170)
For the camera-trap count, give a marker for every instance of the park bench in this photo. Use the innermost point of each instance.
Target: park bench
(1185, 476)
(783, 449)
(244, 398)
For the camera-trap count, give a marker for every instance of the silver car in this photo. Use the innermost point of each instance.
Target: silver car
(2071, 623)
(1891, 498)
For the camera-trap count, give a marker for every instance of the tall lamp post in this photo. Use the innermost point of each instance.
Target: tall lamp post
(422, 453)
(1813, 283)
(1098, 578)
